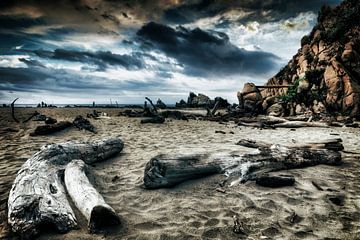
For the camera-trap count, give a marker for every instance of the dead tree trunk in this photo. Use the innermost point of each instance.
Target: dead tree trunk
(152, 104)
(90, 203)
(38, 198)
(166, 171)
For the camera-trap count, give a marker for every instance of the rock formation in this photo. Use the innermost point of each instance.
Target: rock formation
(324, 76)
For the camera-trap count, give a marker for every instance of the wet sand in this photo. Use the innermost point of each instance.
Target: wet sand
(194, 209)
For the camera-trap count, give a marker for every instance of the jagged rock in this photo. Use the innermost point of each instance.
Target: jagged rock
(199, 100)
(223, 103)
(250, 98)
(160, 104)
(332, 50)
(181, 104)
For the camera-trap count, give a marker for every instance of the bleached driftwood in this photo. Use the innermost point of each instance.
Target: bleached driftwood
(37, 197)
(87, 199)
(166, 170)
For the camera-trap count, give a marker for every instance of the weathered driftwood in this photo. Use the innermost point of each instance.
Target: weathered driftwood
(81, 123)
(167, 170)
(50, 128)
(13, 110)
(330, 144)
(90, 203)
(37, 197)
(152, 104)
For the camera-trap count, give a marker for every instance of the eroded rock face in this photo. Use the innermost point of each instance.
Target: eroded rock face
(326, 70)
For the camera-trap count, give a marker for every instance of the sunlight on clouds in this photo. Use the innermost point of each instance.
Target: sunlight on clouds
(12, 61)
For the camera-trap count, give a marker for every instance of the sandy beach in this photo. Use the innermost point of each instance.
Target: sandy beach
(194, 209)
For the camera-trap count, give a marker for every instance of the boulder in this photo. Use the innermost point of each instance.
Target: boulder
(250, 98)
(275, 110)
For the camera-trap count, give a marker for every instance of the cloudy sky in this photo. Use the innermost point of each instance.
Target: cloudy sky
(79, 51)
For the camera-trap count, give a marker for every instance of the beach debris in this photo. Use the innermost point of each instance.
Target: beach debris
(50, 128)
(317, 186)
(156, 119)
(219, 131)
(152, 104)
(174, 114)
(169, 170)
(87, 199)
(238, 227)
(275, 181)
(13, 110)
(36, 113)
(220, 190)
(50, 120)
(82, 123)
(337, 199)
(38, 198)
(39, 117)
(293, 218)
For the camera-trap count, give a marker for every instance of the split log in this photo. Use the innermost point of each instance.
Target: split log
(166, 170)
(50, 128)
(37, 197)
(90, 203)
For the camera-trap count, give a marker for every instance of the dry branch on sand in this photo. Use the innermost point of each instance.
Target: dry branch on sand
(38, 198)
(169, 170)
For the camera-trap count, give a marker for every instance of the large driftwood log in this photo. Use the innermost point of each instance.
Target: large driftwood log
(167, 171)
(37, 197)
(90, 203)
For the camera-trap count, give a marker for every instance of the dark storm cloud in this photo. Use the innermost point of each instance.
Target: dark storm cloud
(277, 9)
(31, 63)
(34, 79)
(100, 59)
(206, 53)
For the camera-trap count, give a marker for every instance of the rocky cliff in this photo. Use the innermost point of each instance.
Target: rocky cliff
(324, 76)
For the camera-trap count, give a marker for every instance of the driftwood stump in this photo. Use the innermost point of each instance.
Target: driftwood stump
(166, 170)
(90, 203)
(37, 197)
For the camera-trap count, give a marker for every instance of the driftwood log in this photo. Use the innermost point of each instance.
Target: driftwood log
(87, 199)
(37, 197)
(166, 170)
(50, 128)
